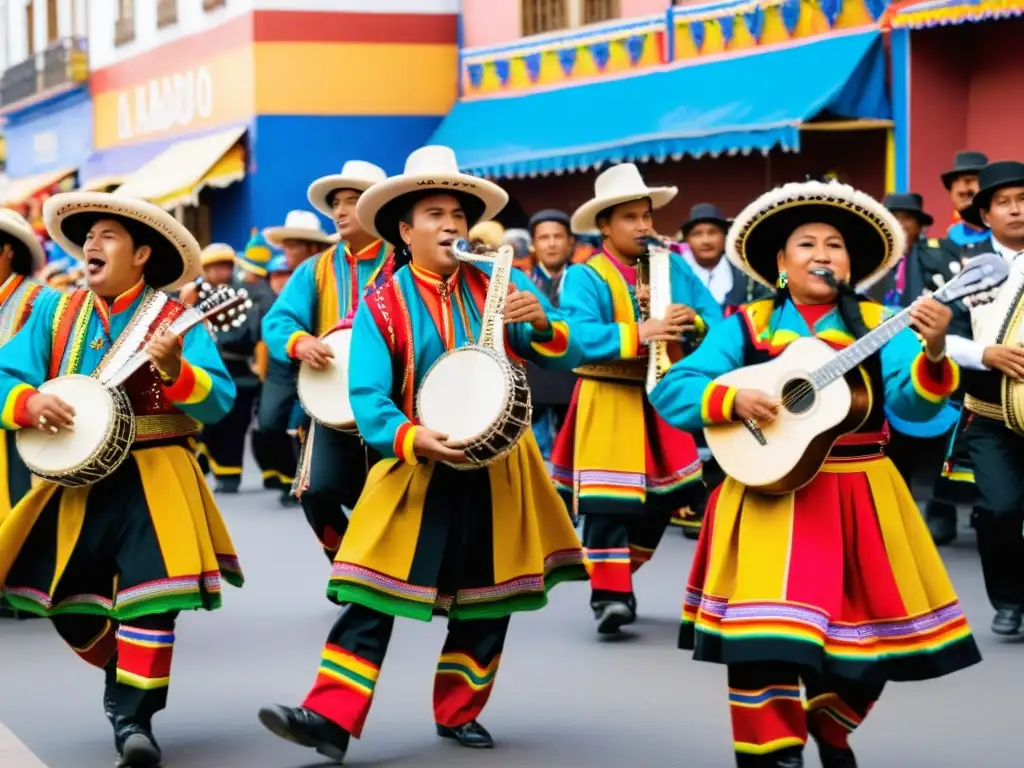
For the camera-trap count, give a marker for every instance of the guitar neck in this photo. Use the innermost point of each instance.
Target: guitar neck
(860, 350)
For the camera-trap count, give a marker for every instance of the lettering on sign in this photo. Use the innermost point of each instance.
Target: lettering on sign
(171, 101)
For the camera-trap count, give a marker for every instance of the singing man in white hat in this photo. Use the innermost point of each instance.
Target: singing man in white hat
(21, 256)
(478, 544)
(615, 461)
(319, 295)
(145, 541)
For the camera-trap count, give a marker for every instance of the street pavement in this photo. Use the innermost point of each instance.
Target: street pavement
(563, 697)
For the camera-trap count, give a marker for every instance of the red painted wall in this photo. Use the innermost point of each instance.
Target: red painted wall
(730, 182)
(964, 94)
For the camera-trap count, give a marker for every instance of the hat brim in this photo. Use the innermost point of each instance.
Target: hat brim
(874, 238)
(723, 224)
(950, 176)
(983, 199)
(252, 269)
(174, 260)
(584, 220)
(29, 256)
(320, 191)
(380, 207)
(277, 235)
(923, 218)
(217, 258)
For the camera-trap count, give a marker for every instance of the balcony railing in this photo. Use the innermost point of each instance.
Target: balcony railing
(64, 63)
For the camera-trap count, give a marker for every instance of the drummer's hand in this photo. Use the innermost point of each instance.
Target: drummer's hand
(48, 413)
(751, 404)
(164, 351)
(931, 320)
(312, 351)
(525, 307)
(428, 444)
(1007, 360)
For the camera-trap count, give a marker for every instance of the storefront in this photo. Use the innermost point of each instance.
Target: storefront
(957, 74)
(227, 127)
(723, 100)
(46, 142)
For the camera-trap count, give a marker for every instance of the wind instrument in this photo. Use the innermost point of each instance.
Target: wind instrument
(654, 270)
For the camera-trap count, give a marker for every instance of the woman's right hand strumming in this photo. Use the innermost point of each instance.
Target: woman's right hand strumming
(751, 404)
(314, 352)
(428, 444)
(678, 320)
(49, 413)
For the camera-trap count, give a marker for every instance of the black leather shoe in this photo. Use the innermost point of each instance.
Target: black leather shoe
(941, 521)
(137, 747)
(472, 735)
(791, 757)
(307, 729)
(611, 616)
(834, 757)
(1007, 621)
(227, 485)
(286, 499)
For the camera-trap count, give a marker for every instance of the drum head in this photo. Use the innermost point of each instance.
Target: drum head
(94, 411)
(324, 394)
(463, 395)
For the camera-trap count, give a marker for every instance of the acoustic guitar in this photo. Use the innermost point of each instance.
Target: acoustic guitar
(824, 396)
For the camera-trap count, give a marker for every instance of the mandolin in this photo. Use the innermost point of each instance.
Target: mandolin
(824, 396)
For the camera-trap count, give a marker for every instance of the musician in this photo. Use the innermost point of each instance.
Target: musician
(615, 462)
(962, 182)
(979, 344)
(838, 585)
(114, 562)
(426, 538)
(550, 390)
(321, 293)
(224, 442)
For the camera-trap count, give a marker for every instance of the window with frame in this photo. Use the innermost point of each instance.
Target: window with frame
(166, 13)
(124, 26)
(209, 5)
(595, 11)
(52, 28)
(541, 16)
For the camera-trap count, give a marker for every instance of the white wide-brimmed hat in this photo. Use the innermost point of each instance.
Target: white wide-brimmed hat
(28, 253)
(217, 253)
(298, 225)
(619, 184)
(874, 238)
(431, 168)
(355, 174)
(175, 259)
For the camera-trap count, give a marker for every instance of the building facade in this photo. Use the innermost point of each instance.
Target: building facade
(45, 105)
(224, 110)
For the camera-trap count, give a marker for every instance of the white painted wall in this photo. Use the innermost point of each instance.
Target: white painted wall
(192, 19)
(14, 20)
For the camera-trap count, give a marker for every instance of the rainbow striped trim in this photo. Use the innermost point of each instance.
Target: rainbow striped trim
(192, 386)
(349, 670)
(716, 405)
(405, 437)
(764, 696)
(144, 657)
(13, 415)
(934, 382)
(468, 670)
(611, 484)
(683, 476)
(294, 339)
(558, 342)
(629, 341)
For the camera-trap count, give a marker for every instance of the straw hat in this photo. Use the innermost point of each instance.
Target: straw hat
(29, 256)
(217, 253)
(489, 232)
(619, 184)
(175, 259)
(874, 238)
(298, 225)
(430, 168)
(355, 174)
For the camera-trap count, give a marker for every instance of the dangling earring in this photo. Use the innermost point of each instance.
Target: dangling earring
(783, 280)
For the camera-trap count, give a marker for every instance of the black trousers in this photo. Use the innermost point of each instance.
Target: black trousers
(998, 458)
(277, 457)
(616, 546)
(225, 440)
(338, 467)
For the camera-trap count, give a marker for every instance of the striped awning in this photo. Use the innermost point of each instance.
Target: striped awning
(178, 174)
(939, 13)
(18, 190)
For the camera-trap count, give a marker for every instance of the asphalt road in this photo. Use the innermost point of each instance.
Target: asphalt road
(563, 697)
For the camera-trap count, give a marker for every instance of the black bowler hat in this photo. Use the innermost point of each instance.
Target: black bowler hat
(992, 178)
(549, 214)
(708, 213)
(966, 163)
(909, 202)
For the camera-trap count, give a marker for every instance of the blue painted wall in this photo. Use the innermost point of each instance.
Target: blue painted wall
(49, 136)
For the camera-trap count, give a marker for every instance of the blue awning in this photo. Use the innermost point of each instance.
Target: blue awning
(743, 103)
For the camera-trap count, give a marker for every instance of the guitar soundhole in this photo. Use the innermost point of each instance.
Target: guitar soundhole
(797, 395)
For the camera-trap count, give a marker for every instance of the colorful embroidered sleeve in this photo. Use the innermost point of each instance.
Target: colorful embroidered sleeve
(689, 290)
(687, 397)
(25, 361)
(204, 389)
(915, 388)
(586, 305)
(380, 422)
(555, 348)
(293, 314)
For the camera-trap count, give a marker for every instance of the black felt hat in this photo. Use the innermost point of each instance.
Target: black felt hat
(909, 202)
(992, 178)
(967, 163)
(708, 213)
